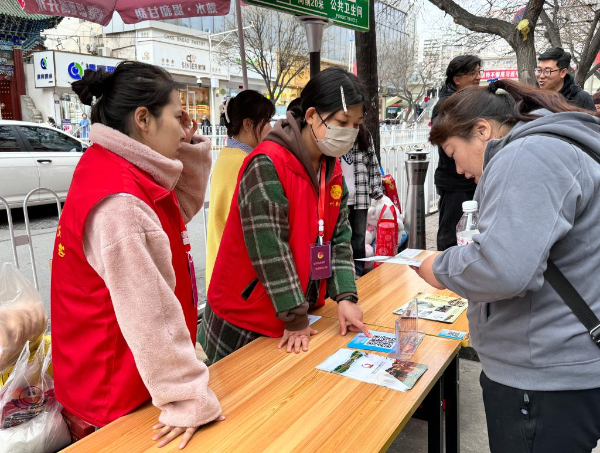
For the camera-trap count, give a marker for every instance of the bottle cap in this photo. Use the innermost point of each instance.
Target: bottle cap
(469, 206)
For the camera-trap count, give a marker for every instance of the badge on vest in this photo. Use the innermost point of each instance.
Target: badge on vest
(320, 261)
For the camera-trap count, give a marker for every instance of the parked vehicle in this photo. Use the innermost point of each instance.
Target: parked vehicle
(36, 155)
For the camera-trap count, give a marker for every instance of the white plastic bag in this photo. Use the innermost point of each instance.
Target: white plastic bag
(22, 315)
(46, 433)
(29, 388)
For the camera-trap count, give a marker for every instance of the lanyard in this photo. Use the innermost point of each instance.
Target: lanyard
(322, 202)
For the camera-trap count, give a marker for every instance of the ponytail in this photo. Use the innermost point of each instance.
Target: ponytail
(504, 101)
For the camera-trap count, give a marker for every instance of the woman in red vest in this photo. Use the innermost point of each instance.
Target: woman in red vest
(124, 301)
(287, 237)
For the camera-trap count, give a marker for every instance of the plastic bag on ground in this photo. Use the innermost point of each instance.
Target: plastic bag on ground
(22, 315)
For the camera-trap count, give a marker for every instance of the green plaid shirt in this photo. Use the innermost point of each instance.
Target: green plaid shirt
(264, 215)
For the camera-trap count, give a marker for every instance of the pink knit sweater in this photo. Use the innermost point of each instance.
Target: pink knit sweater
(123, 238)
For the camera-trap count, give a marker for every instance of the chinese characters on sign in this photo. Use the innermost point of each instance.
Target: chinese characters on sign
(100, 11)
(500, 74)
(352, 14)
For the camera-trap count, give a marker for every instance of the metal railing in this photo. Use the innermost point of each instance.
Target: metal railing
(395, 140)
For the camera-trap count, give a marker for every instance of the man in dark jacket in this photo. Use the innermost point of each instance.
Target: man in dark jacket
(453, 188)
(552, 73)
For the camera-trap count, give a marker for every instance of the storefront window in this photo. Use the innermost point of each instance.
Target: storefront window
(71, 112)
(196, 102)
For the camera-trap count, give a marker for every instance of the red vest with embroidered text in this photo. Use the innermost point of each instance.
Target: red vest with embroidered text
(95, 375)
(233, 270)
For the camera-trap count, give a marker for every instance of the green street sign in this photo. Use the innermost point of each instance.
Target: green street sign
(352, 14)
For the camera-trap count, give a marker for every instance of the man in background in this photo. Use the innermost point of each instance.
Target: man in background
(453, 188)
(552, 73)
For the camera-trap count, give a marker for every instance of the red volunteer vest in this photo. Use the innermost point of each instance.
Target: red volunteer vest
(233, 270)
(95, 376)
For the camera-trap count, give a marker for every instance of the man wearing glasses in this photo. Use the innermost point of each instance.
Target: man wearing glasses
(453, 188)
(552, 73)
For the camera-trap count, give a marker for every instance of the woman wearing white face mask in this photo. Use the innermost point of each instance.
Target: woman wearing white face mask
(287, 237)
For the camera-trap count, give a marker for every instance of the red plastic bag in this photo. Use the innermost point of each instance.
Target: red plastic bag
(387, 234)
(391, 190)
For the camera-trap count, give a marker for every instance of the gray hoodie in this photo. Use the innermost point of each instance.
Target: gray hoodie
(538, 198)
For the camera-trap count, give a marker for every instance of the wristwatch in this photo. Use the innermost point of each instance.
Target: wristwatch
(349, 297)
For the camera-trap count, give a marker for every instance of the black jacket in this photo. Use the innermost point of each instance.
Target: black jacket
(446, 178)
(575, 94)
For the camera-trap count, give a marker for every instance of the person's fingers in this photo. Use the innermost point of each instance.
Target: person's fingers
(158, 426)
(314, 332)
(290, 344)
(174, 434)
(163, 432)
(305, 344)
(359, 325)
(187, 435)
(342, 321)
(298, 344)
(220, 418)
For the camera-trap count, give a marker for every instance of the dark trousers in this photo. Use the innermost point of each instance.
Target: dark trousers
(450, 211)
(358, 223)
(523, 421)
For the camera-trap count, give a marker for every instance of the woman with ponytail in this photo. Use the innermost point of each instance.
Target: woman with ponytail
(287, 236)
(247, 118)
(124, 301)
(536, 160)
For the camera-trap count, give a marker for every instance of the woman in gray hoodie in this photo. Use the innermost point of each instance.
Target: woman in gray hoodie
(538, 189)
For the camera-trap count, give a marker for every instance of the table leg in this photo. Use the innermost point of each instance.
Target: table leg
(432, 407)
(451, 395)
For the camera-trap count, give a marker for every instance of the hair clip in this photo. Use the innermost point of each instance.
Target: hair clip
(226, 108)
(492, 86)
(344, 100)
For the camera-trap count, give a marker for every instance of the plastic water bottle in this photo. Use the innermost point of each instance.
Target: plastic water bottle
(468, 225)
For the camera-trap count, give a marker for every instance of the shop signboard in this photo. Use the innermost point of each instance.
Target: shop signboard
(43, 69)
(352, 14)
(69, 67)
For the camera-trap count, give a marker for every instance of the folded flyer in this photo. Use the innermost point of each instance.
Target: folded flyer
(374, 369)
(380, 341)
(436, 307)
(405, 257)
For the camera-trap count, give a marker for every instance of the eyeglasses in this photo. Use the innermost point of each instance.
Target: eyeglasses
(547, 72)
(472, 73)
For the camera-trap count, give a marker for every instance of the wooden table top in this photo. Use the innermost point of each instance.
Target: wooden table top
(386, 289)
(277, 402)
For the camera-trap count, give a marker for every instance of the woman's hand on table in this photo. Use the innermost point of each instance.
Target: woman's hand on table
(170, 433)
(296, 339)
(349, 312)
(426, 272)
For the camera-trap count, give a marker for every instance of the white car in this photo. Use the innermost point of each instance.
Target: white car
(36, 155)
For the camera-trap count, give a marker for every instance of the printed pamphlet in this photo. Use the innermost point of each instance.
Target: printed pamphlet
(374, 369)
(436, 307)
(380, 341)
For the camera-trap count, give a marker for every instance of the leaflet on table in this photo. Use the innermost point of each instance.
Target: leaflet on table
(312, 319)
(398, 259)
(436, 307)
(380, 341)
(372, 368)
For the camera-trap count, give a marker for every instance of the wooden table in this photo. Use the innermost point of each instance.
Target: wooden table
(386, 289)
(279, 402)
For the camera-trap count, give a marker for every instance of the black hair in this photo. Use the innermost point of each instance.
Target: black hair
(563, 59)
(517, 102)
(323, 92)
(461, 65)
(248, 104)
(133, 84)
(295, 106)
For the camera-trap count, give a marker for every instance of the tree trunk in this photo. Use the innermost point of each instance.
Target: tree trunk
(526, 59)
(366, 64)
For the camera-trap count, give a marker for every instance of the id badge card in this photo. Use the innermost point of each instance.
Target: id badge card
(320, 261)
